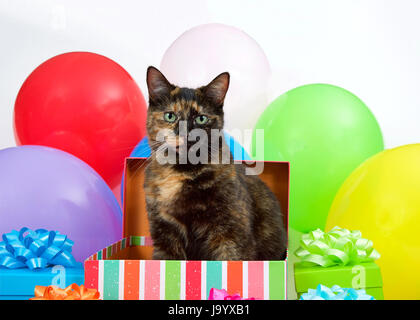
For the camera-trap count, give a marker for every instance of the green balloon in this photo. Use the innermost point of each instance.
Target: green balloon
(325, 132)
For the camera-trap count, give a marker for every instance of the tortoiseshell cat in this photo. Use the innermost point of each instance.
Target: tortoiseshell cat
(204, 211)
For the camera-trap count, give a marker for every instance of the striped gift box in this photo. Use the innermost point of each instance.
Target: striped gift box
(180, 280)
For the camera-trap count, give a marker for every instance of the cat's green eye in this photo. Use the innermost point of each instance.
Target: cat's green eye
(169, 116)
(201, 119)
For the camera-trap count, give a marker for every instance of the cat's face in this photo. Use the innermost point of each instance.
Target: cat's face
(174, 111)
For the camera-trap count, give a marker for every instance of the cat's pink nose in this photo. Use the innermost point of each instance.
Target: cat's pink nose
(181, 141)
(176, 142)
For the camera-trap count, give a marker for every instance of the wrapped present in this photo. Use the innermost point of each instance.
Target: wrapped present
(29, 258)
(335, 293)
(125, 270)
(339, 257)
(222, 294)
(72, 292)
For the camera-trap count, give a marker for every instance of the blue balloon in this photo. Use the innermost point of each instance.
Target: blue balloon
(142, 150)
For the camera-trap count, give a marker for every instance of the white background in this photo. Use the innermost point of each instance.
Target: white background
(370, 47)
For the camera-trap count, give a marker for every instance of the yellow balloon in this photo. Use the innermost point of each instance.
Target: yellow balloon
(381, 198)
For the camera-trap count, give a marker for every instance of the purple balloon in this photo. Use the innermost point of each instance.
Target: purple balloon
(42, 187)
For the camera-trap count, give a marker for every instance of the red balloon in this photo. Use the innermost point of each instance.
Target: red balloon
(85, 104)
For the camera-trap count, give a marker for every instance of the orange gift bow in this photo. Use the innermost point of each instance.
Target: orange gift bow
(72, 292)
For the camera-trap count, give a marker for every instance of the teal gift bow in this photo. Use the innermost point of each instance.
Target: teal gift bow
(336, 247)
(35, 249)
(335, 293)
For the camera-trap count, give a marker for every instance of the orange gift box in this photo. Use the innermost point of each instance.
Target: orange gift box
(125, 270)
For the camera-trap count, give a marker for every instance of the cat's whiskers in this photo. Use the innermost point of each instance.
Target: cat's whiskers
(153, 153)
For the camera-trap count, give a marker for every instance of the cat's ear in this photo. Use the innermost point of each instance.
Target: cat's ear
(216, 90)
(157, 84)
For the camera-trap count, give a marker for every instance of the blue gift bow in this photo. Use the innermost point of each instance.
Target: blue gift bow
(335, 293)
(35, 250)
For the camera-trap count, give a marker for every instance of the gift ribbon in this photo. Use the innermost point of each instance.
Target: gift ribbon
(72, 292)
(35, 249)
(335, 293)
(336, 247)
(217, 294)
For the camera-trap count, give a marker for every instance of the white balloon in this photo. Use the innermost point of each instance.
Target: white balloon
(203, 52)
